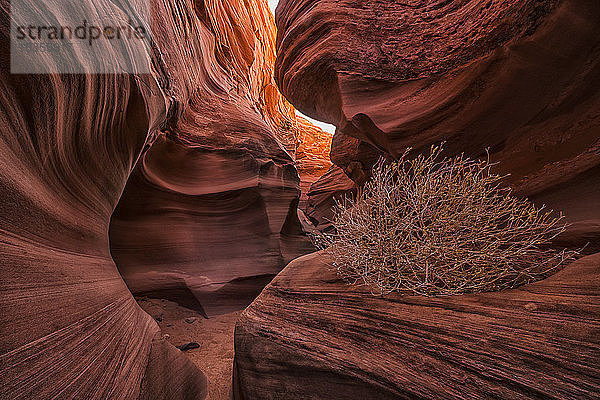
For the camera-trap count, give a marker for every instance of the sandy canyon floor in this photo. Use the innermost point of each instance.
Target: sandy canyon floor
(215, 336)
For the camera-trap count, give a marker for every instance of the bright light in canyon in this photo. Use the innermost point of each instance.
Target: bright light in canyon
(273, 5)
(323, 125)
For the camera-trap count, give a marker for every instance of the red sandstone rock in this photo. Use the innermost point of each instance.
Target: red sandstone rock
(207, 228)
(312, 155)
(332, 186)
(517, 77)
(209, 214)
(310, 335)
(70, 327)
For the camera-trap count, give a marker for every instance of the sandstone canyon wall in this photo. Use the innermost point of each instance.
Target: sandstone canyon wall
(70, 327)
(210, 176)
(209, 214)
(519, 78)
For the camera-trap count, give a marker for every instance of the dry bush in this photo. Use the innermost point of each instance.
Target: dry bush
(438, 226)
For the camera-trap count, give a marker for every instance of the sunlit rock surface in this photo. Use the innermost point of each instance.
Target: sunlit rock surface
(312, 156)
(244, 44)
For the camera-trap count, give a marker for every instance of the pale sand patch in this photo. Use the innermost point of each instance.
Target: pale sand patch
(214, 335)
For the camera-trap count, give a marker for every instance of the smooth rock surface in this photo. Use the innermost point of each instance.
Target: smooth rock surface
(518, 77)
(208, 229)
(70, 326)
(208, 216)
(311, 335)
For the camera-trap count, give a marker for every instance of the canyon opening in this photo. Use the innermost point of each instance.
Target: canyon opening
(300, 199)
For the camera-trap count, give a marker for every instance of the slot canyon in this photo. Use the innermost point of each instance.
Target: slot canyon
(157, 228)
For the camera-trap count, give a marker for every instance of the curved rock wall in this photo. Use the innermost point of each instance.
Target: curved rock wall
(209, 214)
(311, 336)
(519, 78)
(70, 326)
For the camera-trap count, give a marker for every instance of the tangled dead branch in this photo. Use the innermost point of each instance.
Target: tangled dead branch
(440, 226)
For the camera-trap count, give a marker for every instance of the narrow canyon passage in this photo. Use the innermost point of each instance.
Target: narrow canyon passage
(209, 213)
(173, 204)
(197, 157)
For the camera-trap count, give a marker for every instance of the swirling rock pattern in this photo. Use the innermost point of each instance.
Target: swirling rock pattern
(244, 46)
(209, 214)
(70, 327)
(519, 78)
(310, 335)
(69, 143)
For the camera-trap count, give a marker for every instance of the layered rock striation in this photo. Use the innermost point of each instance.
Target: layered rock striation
(311, 335)
(210, 182)
(70, 326)
(518, 78)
